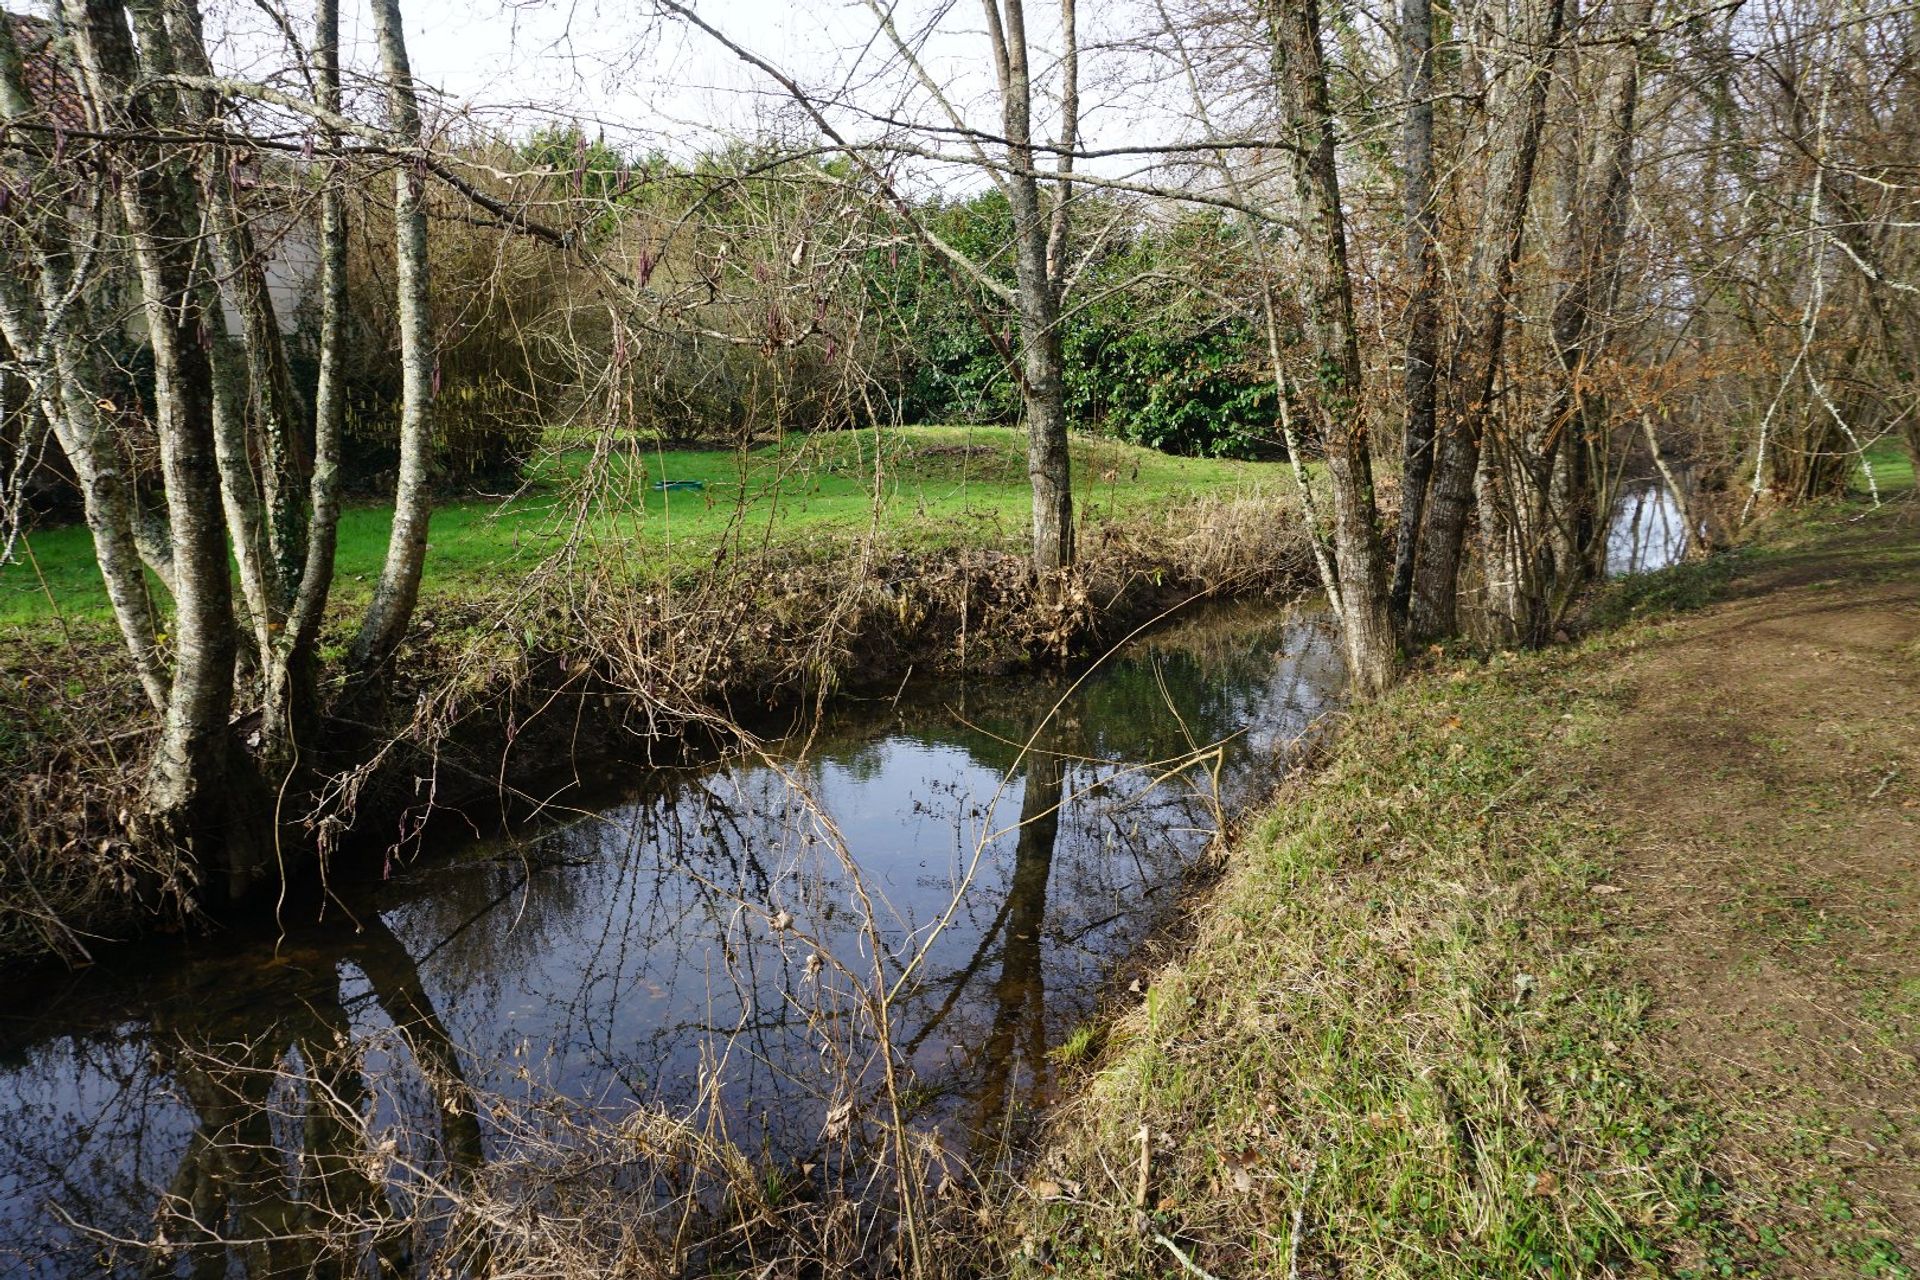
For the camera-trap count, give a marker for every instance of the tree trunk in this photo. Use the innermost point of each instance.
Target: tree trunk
(1326, 298)
(391, 608)
(1423, 301)
(156, 55)
(40, 327)
(1588, 268)
(308, 606)
(241, 271)
(267, 516)
(1044, 398)
(1039, 256)
(1475, 358)
(186, 794)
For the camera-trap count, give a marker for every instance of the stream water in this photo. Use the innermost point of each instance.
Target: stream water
(1648, 530)
(706, 945)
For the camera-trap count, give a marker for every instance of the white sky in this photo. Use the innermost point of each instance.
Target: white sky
(648, 83)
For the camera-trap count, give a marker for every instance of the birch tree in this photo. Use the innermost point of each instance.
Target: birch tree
(188, 774)
(44, 310)
(399, 586)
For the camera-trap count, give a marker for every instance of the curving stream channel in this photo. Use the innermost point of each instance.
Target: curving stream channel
(707, 945)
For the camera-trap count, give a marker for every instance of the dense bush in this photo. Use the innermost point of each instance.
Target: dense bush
(1171, 377)
(738, 319)
(1149, 359)
(744, 312)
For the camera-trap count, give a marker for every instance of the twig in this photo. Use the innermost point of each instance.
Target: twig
(1146, 1165)
(1187, 1264)
(1299, 1222)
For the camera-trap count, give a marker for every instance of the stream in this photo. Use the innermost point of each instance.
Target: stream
(705, 946)
(1647, 531)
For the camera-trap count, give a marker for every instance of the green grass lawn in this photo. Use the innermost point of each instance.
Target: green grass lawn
(921, 487)
(1892, 467)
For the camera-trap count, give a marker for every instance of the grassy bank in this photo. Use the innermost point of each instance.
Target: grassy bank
(1426, 1027)
(919, 488)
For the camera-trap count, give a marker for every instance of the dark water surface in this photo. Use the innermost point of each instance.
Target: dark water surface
(709, 944)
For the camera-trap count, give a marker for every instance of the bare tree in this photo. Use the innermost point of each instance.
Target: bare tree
(43, 310)
(399, 585)
(1326, 300)
(308, 605)
(160, 194)
(1485, 302)
(158, 206)
(1419, 252)
(1558, 525)
(1040, 240)
(1041, 201)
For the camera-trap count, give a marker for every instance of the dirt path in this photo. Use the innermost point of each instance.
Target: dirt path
(1762, 785)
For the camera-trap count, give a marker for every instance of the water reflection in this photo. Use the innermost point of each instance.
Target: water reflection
(232, 1116)
(1648, 530)
(1016, 1038)
(712, 944)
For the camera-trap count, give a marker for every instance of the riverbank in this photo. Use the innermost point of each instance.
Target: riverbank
(603, 636)
(1600, 960)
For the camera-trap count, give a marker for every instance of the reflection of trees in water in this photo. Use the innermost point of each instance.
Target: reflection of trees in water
(1647, 531)
(252, 1142)
(669, 951)
(1017, 1033)
(78, 1110)
(283, 1169)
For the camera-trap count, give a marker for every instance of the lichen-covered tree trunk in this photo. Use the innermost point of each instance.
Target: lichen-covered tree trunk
(1474, 360)
(40, 323)
(187, 796)
(394, 595)
(268, 515)
(241, 271)
(294, 667)
(1039, 252)
(1326, 300)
